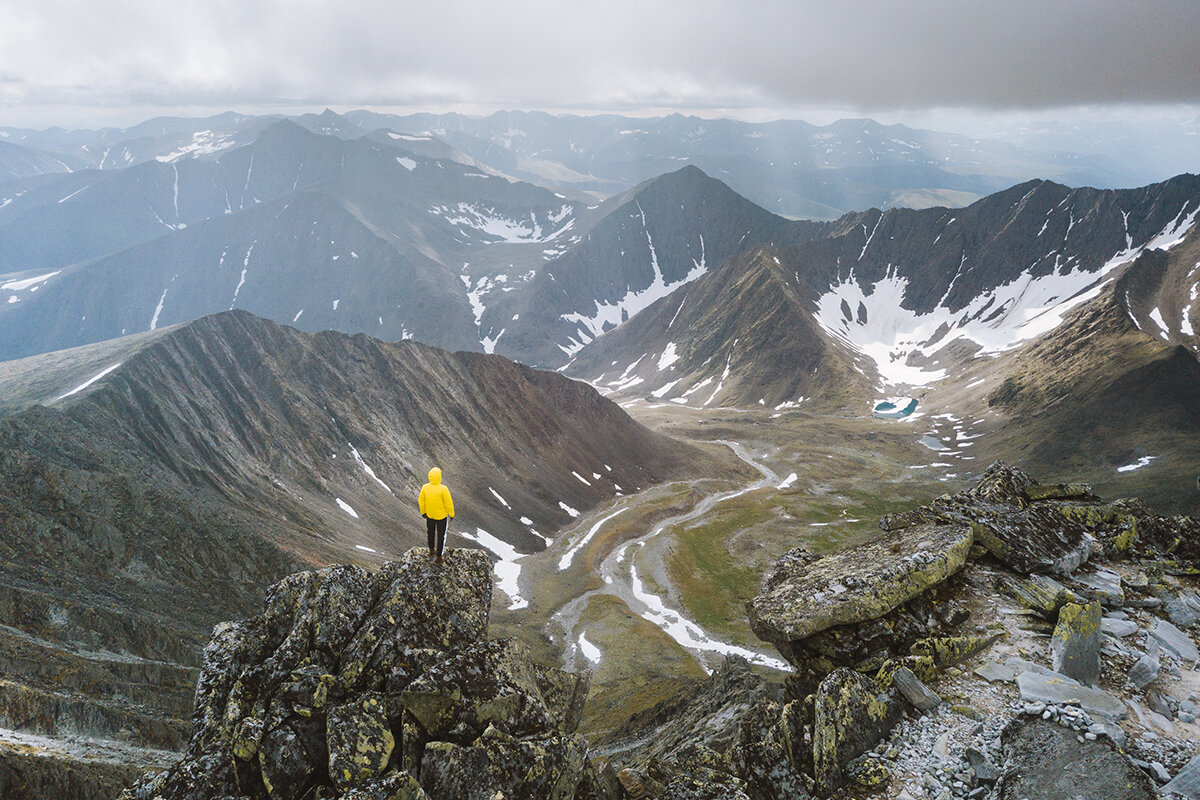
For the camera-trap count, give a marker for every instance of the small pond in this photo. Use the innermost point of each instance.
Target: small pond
(895, 407)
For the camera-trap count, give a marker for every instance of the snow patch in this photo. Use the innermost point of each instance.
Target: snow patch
(568, 509)
(89, 381)
(1157, 316)
(997, 320)
(668, 357)
(21, 285)
(788, 481)
(1141, 462)
(508, 571)
(589, 650)
(407, 163)
(504, 503)
(342, 504)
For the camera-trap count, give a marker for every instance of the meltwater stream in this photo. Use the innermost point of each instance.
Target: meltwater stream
(622, 579)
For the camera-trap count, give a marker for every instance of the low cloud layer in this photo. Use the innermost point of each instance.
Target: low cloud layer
(618, 55)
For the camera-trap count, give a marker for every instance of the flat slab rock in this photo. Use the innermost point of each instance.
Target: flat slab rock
(859, 583)
(1045, 761)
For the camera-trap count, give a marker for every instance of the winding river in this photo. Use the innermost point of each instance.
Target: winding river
(623, 578)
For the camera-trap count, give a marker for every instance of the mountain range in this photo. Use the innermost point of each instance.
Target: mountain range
(790, 167)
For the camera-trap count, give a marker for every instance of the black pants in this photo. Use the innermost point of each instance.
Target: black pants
(435, 529)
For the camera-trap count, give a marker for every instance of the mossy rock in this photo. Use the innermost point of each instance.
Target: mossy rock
(946, 651)
(860, 583)
(851, 714)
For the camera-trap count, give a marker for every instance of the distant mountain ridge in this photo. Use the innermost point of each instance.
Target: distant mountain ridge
(913, 294)
(790, 167)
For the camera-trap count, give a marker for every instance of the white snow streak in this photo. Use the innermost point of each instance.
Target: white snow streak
(158, 309)
(21, 285)
(346, 507)
(569, 556)
(1141, 462)
(367, 468)
(245, 266)
(88, 382)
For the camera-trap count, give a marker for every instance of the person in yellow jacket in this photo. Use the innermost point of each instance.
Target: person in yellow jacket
(436, 506)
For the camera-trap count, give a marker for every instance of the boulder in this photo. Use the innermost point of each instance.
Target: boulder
(1143, 673)
(1175, 641)
(1186, 782)
(396, 786)
(1039, 593)
(1028, 536)
(915, 692)
(851, 713)
(1075, 645)
(547, 767)
(1047, 761)
(1119, 628)
(1103, 585)
(359, 740)
(1047, 686)
(858, 584)
(1183, 609)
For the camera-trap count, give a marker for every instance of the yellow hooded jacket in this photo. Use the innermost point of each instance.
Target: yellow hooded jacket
(435, 500)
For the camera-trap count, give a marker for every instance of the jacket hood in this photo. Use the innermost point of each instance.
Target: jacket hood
(435, 476)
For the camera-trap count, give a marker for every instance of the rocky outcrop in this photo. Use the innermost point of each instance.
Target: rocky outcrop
(859, 583)
(379, 686)
(1029, 535)
(734, 733)
(840, 608)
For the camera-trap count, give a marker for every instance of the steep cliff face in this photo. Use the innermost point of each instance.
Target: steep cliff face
(201, 463)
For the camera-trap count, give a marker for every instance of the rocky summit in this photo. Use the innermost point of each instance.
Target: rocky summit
(379, 686)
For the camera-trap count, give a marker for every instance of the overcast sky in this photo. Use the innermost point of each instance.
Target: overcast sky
(81, 62)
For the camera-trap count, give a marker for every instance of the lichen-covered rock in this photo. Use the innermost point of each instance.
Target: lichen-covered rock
(1039, 593)
(771, 754)
(1075, 645)
(396, 786)
(496, 764)
(378, 687)
(858, 584)
(851, 713)
(1046, 761)
(867, 773)
(1028, 536)
(492, 684)
(359, 740)
(791, 565)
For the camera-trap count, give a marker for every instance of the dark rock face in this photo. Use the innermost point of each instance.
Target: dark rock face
(1043, 760)
(731, 738)
(851, 713)
(377, 687)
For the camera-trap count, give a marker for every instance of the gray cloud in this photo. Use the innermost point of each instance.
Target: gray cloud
(695, 54)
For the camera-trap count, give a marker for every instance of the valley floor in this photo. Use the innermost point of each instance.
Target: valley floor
(649, 591)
